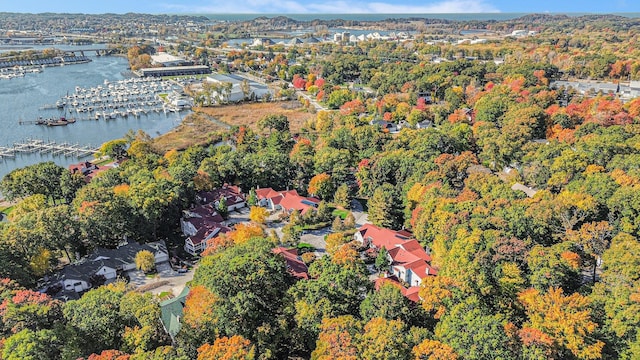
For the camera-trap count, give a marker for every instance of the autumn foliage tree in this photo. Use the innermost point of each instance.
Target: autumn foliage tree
(145, 261)
(337, 339)
(433, 350)
(227, 348)
(322, 186)
(566, 319)
(258, 214)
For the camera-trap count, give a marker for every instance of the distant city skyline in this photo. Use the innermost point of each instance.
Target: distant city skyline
(320, 7)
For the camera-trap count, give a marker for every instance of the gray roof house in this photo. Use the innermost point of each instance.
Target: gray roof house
(109, 263)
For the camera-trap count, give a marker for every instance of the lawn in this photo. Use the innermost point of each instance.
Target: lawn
(340, 212)
(6, 207)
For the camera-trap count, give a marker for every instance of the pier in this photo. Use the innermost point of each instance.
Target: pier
(44, 147)
(55, 61)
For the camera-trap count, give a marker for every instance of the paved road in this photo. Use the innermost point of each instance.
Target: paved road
(311, 100)
(176, 281)
(359, 214)
(316, 239)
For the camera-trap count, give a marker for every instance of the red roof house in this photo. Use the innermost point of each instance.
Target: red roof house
(409, 262)
(295, 265)
(285, 200)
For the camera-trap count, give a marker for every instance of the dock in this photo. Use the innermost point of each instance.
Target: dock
(44, 147)
(7, 152)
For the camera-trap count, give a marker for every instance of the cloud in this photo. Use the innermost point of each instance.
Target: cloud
(333, 7)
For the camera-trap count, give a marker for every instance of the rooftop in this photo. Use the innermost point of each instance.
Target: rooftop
(171, 312)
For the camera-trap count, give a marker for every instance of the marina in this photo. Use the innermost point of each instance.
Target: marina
(43, 147)
(27, 99)
(129, 97)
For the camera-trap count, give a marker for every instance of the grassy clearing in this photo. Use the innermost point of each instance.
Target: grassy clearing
(340, 212)
(6, 207)
(199, 129)
(248, 114)
(196, 129)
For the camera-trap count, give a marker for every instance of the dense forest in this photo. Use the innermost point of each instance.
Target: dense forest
(552, 272)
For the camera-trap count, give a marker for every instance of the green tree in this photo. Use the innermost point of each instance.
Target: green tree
(96, 320)
(115, 149)
(473, 333)
(145, 261)
(388, 303)
(151, 197)
(274, 122)
(382, 260)
(42, 178)
(252, 199)
(143, 330)
(27, 309)
(323, 212)
(60, 229)
(342, 196)
(337, 98)
(338, 289)
(222, 208)
(385, 207)
(554, 266)
(160, 353)
(32, 345)
(251, 283)
(615, 294)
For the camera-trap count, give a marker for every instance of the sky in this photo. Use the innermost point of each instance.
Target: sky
(318, 6)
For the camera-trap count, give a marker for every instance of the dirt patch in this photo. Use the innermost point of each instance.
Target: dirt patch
(195, 129)
(248, 114)
(151, 286)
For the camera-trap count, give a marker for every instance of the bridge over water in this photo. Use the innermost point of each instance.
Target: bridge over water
(98, 51)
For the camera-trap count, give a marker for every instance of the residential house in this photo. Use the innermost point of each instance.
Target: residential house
(202, 222)
(288, 200)
(409, 262)
(295, 265)
(171, 313)
(89, 170)
(424, 124)
(233, 197)
(108, 263)
(384, 125)
(196, 243)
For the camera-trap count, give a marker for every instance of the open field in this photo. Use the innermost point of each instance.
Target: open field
(196, 129)
(248, 114)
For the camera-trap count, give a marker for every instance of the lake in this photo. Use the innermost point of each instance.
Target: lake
(22, 98)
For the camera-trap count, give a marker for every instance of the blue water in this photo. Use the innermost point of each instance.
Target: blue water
(21, 99)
